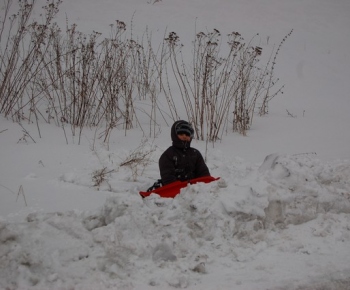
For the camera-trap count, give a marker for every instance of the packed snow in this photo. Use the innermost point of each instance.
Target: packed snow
(278, 217)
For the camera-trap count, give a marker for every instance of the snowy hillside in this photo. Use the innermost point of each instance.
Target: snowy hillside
(278, 218)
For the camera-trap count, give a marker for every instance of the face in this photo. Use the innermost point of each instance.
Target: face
(184, 137)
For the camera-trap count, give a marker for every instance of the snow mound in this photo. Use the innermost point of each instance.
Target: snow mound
(301, 187)
(261, 218)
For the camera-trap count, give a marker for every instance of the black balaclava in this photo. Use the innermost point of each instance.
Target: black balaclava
(176, 141)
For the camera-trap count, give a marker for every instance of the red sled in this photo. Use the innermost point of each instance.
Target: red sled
(172, 189)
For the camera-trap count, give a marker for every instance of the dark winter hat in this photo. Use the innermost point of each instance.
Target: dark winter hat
(183, 127)
(179, 127)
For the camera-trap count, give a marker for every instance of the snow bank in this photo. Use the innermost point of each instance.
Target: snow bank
(287, 218)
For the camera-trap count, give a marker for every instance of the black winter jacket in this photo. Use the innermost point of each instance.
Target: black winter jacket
(181, 162)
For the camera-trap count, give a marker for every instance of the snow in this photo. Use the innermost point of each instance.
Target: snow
(279, 217)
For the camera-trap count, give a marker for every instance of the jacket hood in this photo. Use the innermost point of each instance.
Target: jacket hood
(176, 141)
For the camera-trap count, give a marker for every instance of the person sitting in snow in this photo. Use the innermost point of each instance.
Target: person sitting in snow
(180, 161)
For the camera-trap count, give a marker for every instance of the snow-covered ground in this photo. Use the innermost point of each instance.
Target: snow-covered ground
(279, 217)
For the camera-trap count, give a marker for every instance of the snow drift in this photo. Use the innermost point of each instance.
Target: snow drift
(248, 224)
